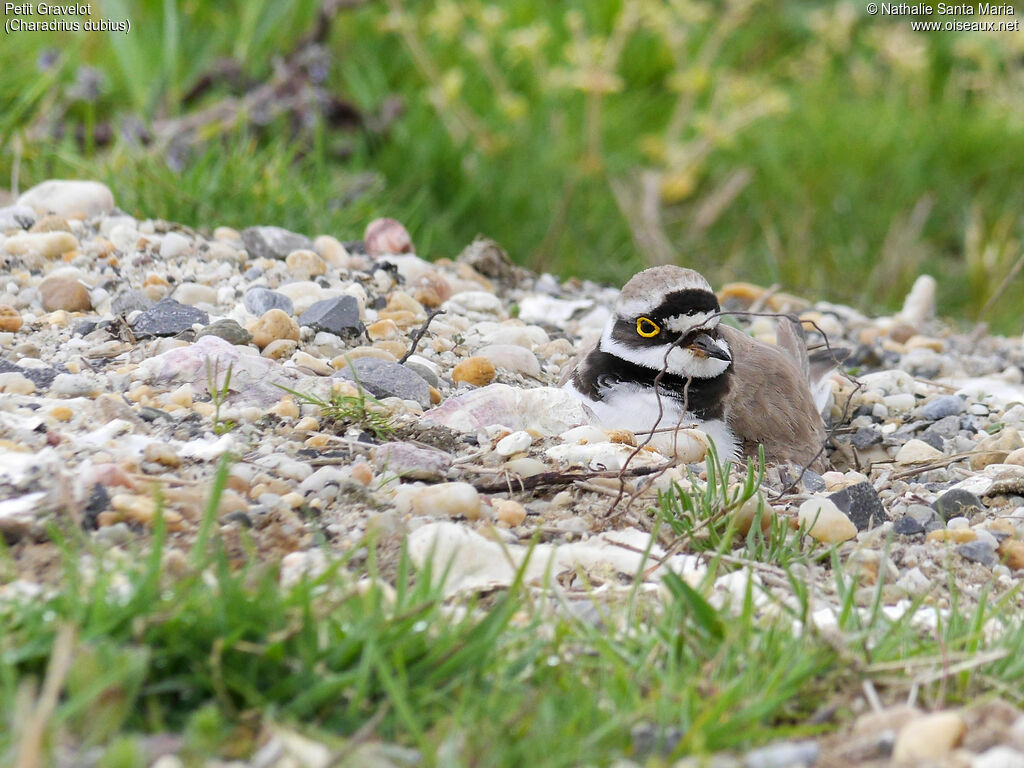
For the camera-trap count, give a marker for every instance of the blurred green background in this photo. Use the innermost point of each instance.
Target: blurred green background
(805, 144)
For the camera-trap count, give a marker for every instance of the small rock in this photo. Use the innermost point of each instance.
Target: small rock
(513, 443)
(304, 264)
(386, 236)
(411, 462)
(995, 448)
(509, 511)
(15, 217)
(861, 504)
(957, 502)
(907, 526)
(477, 371)
(73, 385)
(10, 318)
(927, 738)
(952, 535)
(942, 406)
(1012, 553)
(40, 377)
(746, 514)
(865, 437)
(168, 318)
(274, 324)
(824, 521)
(339, 316)
(382, 378)
(47, 245)
(1014, 457)
(441, 500)
(978, 552)
(64, 293)
(173, 245)
(194, 293)
(512, 358)
(129, 301)
(69, 197)
(51, 223)
(273, 242)
(259, 300)
(917, 452)
(227, 329)
(161, 453)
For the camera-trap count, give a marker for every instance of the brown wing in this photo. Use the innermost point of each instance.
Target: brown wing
(769, 402)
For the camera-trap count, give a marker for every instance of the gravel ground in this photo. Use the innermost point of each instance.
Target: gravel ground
(135, 352)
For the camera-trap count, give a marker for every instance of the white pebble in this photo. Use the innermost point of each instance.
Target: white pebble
(173, 245)
(514, 443)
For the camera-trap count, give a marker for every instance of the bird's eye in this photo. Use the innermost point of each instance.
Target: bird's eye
(647, 327)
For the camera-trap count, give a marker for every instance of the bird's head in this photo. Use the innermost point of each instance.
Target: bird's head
(667, 317)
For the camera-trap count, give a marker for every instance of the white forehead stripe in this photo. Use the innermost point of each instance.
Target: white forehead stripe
(684, 323)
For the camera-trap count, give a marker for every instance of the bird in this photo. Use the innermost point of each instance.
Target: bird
(664, 361)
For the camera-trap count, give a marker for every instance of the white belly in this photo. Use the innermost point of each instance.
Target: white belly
(638, 409)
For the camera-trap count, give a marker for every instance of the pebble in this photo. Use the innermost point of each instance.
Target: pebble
(273, 325)
(173, 245)
(16, 217)
(382, 378)
(168, 318)
(273, 242)
(193, 293)
(825, 522)
(786, 754)
(441, 500)
(386, 236)
(860, 503)
(69, 198)
(227, 329)
(514, 443)
(129, 301)
(1012, 553)
(512, 358)
(929, 737)
(978, 551)
(46, 245)
(339, 316)
(411, 462)
(942, 406)
(917, 452)
(477, 371)
(64, 293)
(259, 300)
(305, 264)
(509, 511)
(957, 502)
(10, 319)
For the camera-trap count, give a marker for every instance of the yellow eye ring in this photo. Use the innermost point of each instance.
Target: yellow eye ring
(647, 327)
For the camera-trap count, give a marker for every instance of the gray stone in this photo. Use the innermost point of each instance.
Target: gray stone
(382, 378)
(273, 242)
(259, 300)
(978, 551)
(72, 385)
(946, 428)
(932, 439)
(907, 526)
(411, 462)
(957, 502)
(942, 406)
(168, 318)
(227, 329)
(861, 504)
(925, 516)
(42, 377)
(339, 316)
(428, 375)
(130, 301)
(16, 217)
(865, 437)
(812, 481)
